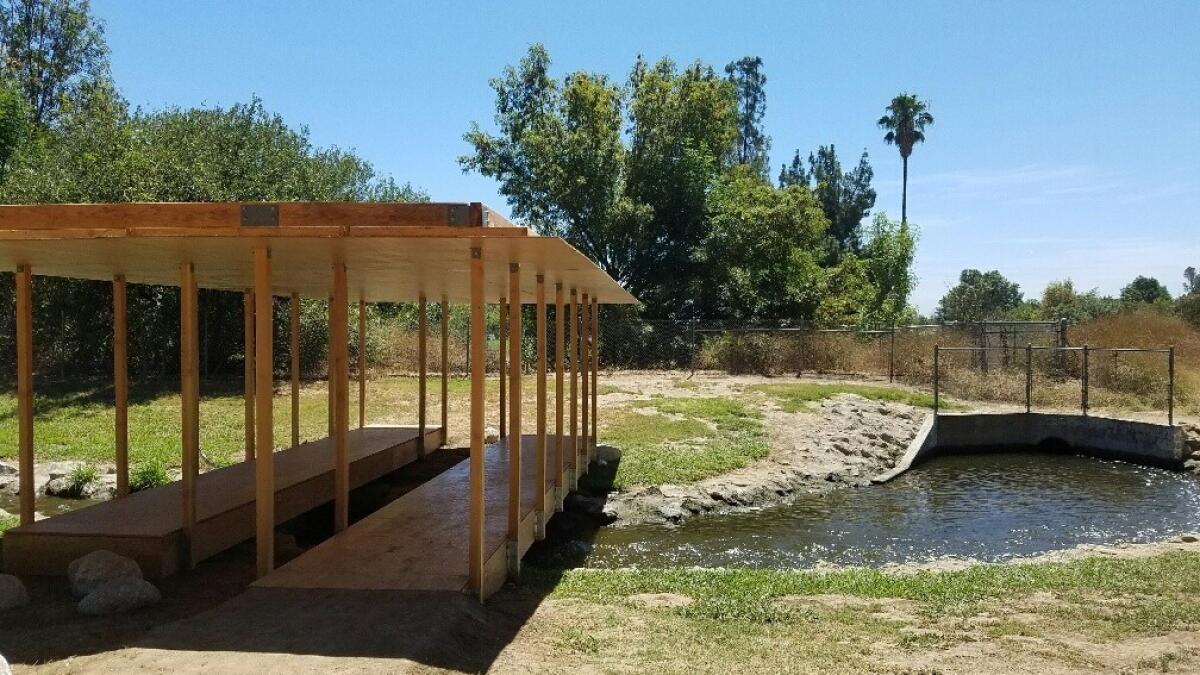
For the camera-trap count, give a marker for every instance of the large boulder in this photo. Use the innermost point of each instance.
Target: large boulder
(119, 595)
(97, 568)
(12, 593)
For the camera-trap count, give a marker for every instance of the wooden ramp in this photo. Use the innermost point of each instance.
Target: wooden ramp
(419, 541)
(146, 526)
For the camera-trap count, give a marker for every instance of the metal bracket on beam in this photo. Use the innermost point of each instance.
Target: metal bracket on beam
(260, 215)
(458, 215)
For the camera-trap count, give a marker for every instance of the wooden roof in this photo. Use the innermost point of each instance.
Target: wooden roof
(392, 252)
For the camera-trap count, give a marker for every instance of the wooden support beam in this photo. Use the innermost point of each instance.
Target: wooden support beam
(478, 371)
(248, 369)
(595, 376)
(422, 371)
(340, 375)
(331, 384)
(121, 383)
(514, 418)
(503, 370)
(573, 350)
(264, 413)
(362, 363)
(294, 353)
(585, 358)
(189, 361)
(445, 328)
(540, 323)
(559, 322)
(24, 293)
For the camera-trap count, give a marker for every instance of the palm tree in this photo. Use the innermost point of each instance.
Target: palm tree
(905, 121)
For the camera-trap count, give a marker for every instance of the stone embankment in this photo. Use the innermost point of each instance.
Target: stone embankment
(842, 441)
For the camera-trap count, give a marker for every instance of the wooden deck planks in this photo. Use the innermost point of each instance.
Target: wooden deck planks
(303, 480)
(419, 542)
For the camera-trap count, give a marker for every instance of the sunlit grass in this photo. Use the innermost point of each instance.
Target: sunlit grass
(797, 397)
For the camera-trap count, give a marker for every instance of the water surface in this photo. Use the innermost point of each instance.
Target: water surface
(987, 507)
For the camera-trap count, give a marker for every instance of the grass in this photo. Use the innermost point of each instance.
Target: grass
(147, 475)
(797, 397)
(81, 479)
(1028, 617)
(76, 422)
(682, 440)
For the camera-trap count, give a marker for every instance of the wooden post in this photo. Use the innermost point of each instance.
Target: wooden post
(514, 417)
(478, 383)
(559, 322)
(503, 371)
(540, 322)
(121, 384)
(264, 413)
(585, 364)
(24, 293)
(573, 346)
(248, 370)
(445, 328)
(362, 363)
(331, 385)
(189, 358)
(595, 376)
(339, 377)
(422, 332)
(294, 353)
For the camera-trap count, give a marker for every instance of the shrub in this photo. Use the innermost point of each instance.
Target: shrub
(81, 479)
(148, 475)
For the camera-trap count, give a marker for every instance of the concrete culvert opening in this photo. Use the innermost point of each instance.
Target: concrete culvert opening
(1053, 444)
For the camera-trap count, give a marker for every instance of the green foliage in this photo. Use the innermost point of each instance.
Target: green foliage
(148, 475)
(1145, 290)
(13, 126)
(759, 253)
(81, 479)
(52, 49)
(1061, 300)
(749, 82)
(1188, 308)
(979, 296)
(845, 197)
(905, 120)
(682, 440)
(889, 254)
(796, 397)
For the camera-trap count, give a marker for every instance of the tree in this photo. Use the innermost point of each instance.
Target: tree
(889, 254)
(846, 197)
(634, 202)
(12, 125)
(1191, 281)
(749, 82)
(52, 48)
(1060, 300)
(979, 296)
(1145, 290)
(761, 250)
(905, 120)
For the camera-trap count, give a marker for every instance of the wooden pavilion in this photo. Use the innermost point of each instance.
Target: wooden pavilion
(467, 528)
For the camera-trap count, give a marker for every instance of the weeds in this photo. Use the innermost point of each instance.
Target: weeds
(81, 480)
(797, 397)
(148, 475)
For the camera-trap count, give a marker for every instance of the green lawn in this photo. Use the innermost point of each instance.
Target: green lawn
(682, 440)
(796, 397)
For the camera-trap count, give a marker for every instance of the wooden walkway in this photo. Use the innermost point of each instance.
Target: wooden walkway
(419, 541)
(146, 526)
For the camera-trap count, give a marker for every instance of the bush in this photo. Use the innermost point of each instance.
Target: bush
(81, 479)
(148, 475)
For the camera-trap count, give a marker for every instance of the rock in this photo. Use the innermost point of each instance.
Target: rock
(12, 593)
(4, 669)
(1189, 538)
(608, 453)
(1192, 465)
(63, 487)
(99, 568)
(119, 595)
(5, 514)
(671, 513)
(491, 435)
(8, 469)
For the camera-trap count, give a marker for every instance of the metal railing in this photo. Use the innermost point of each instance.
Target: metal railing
(1084, 350)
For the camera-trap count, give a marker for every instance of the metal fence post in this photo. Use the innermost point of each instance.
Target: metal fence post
(892, 355)
(1062, 342)
(1028, 377)
(1084, 381)
(1171, 386)
(935, 380)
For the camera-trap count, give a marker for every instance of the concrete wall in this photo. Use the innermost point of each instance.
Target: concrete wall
(1140, 442)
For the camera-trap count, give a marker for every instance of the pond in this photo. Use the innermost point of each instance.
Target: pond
(44, 504)
(988, 507)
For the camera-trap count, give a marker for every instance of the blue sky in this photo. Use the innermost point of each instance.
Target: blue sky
(1066, 143)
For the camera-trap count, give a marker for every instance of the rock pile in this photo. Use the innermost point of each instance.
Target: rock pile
(107, 583)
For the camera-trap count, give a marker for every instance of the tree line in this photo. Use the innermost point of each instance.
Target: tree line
(989, 295)
(664, 179)
(67, 136)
